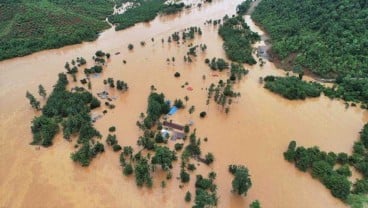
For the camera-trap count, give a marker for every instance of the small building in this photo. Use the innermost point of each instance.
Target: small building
(178, 135)
(173, 125)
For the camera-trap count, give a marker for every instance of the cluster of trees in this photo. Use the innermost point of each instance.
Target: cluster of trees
(113, 142)
(156, 107)
(35, 26)
(120, 84)
(143, 11)
(172, 8)
(333, 170)
(33, 101)
(327, 38)
(237, 71)
(71, 110)
(238, 39)
(187, 34)
(205, 192)
(222, 94)
(87, 152)
(292, 87)
(217, 64)
(242, 8)
(241, 182)
(93, 70)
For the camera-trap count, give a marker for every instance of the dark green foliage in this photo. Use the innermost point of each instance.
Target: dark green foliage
(130, 46)
(95, 103)
(156, 107)
(85, 154)
(313, 32)
(364, 135)
(147, 142)
(290, 153)
(178, 103)
(202, 114)
(159, 138)
(237, 71)
(93, 70)
(191, 167)
(121, 85)
(42, 91)
(241, 182)
(238, 39)
(222, 94)
(111, 140)
(242, 8)
(116, 147)
(184, 176)
(361, 187)
(142, 173)
(188, 197)
(177, 74)
(255, 204)
(186, 129)
(321, 165)
(164, 157)
(209, 158)
(172, 8)
(339, 185)
(31, 26)
(218, 64)
(128, 151)
(100, 53)
(44, 130)
(32, 101)
(112, 129)
(128, 169)
(144, 12)
(178, 146)
(71, 109)
(193, 148)
(205, 193)
(292, 87)
(342, 158)
(344, 170)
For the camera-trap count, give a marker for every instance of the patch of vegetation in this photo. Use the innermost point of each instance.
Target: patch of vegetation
(310, 35)
(322, 166)
(238, 40)
(292, 87)
(143, 11)
(30, 26)
(205, 193)
(242, 8)
(241, 182)
(71, 110)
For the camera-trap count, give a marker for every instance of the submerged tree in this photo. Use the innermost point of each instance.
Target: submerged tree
(42, 91)
(241, 182)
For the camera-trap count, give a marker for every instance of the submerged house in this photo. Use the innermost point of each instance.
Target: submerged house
(173, 125)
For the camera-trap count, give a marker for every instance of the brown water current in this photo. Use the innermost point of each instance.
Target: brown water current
(255, 133)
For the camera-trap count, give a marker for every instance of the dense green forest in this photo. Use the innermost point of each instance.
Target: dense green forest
(292, 87)
(238, 39)
(329, 38)
(334, 169)
(143, 11)
(30, 26)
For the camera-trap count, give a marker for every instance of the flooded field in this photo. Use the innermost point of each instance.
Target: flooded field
(255, 133)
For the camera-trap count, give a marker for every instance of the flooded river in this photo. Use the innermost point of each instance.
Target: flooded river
(255, 133)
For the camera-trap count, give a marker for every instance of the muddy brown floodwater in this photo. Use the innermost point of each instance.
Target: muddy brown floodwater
(255, 133)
